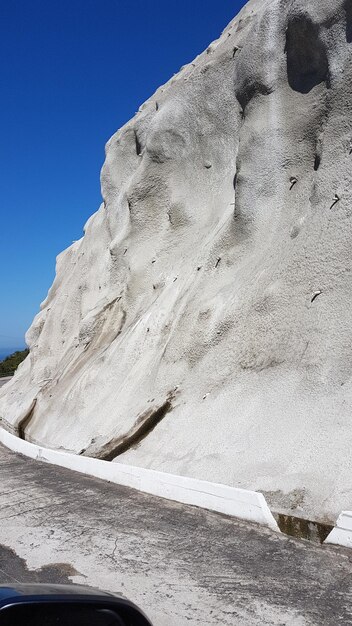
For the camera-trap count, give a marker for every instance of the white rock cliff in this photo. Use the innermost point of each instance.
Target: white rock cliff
(202, 325)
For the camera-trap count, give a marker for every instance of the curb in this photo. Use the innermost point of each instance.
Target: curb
(250, 506)
(341, 535)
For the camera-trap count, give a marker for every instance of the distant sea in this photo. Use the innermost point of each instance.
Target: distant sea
(4, 352)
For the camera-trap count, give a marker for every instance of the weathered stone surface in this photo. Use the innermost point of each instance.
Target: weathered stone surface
(215, 279)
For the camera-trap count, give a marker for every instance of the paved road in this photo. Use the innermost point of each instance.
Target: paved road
(182, 565)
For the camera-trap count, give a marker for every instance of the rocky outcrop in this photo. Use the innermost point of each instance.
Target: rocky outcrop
(202, 325)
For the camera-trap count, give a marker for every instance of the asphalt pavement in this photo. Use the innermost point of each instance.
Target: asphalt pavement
(182, 565)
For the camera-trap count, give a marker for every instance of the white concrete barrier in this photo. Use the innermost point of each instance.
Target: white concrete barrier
(246, 505)
(341, 535)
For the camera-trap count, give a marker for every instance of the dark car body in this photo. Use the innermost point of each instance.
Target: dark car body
(27, 603)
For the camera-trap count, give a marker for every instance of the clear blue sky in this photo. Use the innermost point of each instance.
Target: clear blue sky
(73, 72)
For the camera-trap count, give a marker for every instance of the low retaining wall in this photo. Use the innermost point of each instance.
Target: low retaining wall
(250, 506)
(246, 505)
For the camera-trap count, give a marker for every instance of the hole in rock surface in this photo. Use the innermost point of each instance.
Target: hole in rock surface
(307, 62)
(348, 11)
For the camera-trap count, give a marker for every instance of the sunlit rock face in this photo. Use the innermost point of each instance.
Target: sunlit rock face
(202, 325)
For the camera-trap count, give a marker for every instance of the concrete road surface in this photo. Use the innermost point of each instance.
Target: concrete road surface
(182, 565)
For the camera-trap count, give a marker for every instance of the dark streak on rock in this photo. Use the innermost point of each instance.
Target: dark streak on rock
(144, 425)
(336, 200)
(138, 144)
(293, 181)
(316, 295)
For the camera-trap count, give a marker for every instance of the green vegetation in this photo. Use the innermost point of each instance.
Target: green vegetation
(9, 365)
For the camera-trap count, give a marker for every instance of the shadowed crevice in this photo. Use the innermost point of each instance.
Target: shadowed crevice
(317, 162)
(144, 425)
(138, 144)
(250, 90)
(24, 422)
(302, 528)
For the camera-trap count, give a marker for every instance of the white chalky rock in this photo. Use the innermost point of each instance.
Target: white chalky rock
(198, 186)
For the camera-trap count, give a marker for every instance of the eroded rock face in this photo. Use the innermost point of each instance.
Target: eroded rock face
(202, 325)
